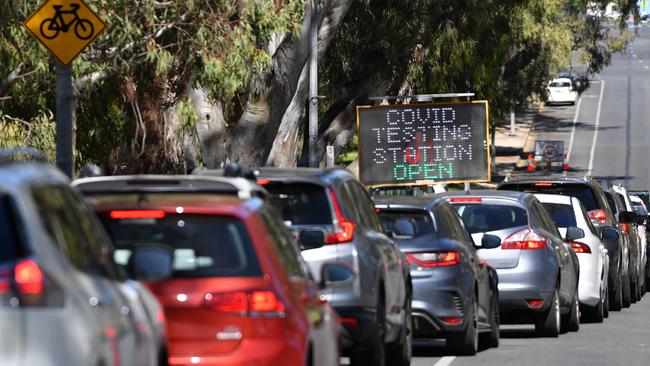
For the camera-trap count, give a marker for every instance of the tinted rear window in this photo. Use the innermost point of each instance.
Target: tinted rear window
(302, 204)
(483, 218)
(562, 215)
(639, 209)
(582, 192)
(8, 234)
(204, 246)
(421, 221)
(612, 203)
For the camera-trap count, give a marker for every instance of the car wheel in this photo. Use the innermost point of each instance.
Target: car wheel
(400, 352)
(491, 339)
(627, 293)
(376, 355)
(595, 314)
(571, 321)
(634, 289)
(465, 343)
(606, 303)
(549, 324)
(616, 303)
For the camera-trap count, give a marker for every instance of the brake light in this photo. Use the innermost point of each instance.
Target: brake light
(263, 182)
(28, 277)
(579, 247)
(535, 303)
(246, 303)
(137, 214)
(598, 217)
(625, 228)
(434, 259)
(525, 239)
(349, 322)
(543, 184)
(466, 200)
(345, 231)
(452, 320)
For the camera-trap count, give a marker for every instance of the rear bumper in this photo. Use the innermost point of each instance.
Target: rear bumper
(590, 279)
(517, 285)
(249, 352)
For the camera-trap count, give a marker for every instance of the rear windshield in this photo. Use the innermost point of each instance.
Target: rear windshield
(562, 215)
(8, 235)
(204, 246)
(302, 204)
(420, 221)
(582, 192)
(560, 85)
(481, 218)
(639, 209)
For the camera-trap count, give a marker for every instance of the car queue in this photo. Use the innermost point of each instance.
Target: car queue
(300, 266)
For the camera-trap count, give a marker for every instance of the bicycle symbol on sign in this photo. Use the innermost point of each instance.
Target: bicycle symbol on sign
(51, 27)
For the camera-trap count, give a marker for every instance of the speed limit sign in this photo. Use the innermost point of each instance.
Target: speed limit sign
(549, 150)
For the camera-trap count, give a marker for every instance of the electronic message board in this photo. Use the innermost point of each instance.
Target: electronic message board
(423, 143)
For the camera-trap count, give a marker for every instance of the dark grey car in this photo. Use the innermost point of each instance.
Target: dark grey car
(538, 272)
(455, 293)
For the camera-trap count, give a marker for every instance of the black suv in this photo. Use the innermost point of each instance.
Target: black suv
(601, 214)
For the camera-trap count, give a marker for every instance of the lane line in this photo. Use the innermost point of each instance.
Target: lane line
(573, 129)
(445, 361)
(593, 142)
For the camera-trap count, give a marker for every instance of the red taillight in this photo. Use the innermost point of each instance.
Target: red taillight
(598, 217)
(524, 240)
(543, 184)
(535, 303)
(137, 214)
(349, 322)
(625, 228)
(263, 182)
(28, 277)
(466, 200)
(246, 303)
(452, 320)
(434, 259)
(345, 231)
(579, 247)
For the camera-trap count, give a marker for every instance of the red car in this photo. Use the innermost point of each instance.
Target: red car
(238, 293)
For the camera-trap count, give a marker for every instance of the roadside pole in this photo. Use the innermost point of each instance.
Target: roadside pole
(64, 103)
(313, 86)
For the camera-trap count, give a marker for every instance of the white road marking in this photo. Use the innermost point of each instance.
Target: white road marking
(445, 361)
(593, 142)
(573, 130)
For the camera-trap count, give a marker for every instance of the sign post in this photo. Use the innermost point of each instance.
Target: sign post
(421, 144)
(65, 28)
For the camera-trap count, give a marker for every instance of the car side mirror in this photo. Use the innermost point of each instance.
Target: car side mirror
(627, 217)
(574, 233)
(335, 275)
(609, 233)
(311, 239)
(490, 241)
(403, 229)
(640, 219)
(151, 262)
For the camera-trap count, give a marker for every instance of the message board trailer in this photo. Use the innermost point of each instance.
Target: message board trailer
(421, 144)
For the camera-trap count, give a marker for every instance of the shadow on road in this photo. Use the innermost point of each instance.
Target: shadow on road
(528, 332)
(430, 348)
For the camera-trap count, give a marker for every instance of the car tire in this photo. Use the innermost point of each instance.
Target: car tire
(376, 355)
(571, 321)
(400, 352)
(616, 303)
(606, 303)
(634, 291)
(595, 314)
(549, 324)
(491, 339)
(627, 293)
(465, 343)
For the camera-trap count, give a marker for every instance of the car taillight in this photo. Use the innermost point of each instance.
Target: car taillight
(246, 303)
(25, 284)
(625, 228)
(598, 217)
(137, 214)
(452, 320)
(579, 247)
(525, 239)
(466, 200)
(535, 303)
(345, 231)
(28, 277)
(434, 259)
(543, 184)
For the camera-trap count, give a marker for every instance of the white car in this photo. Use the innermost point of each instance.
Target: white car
(561, 91)
(567, 212)
(640, 232)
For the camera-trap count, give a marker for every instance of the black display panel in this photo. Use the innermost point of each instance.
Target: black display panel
(423, 143)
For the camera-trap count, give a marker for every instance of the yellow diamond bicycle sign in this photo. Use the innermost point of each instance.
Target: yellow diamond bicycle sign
(64, 27)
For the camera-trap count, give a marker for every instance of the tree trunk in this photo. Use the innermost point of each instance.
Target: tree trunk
(210, 128)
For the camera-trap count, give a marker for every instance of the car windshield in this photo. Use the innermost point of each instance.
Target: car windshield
(204, 245)
(639, 209)
(420, 221)
(582, 192)
(9, 239)
(562, 215)
(481, 218)
(302, 204)
(558, 84)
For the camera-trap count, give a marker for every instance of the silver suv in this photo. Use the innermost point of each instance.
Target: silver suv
(62, 301)
(335, 220)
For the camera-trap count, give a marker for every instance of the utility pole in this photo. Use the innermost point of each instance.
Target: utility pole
(313, 85)
(64, 95)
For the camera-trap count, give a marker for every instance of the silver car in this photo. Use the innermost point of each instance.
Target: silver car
(62, 301)
(538, 272)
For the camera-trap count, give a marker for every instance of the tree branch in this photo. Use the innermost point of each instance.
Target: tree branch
(12, 78)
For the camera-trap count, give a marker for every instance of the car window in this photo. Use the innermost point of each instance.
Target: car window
(9, 239)
(284, 245)
(421, 221)
(639, 209)
(563, 215)
(612, 203)
(544, 218)
(301, 203)
(347, 205)
(203, 245)
(450, 225)
(480, 218)
(583, 192)
(559, 84)
(585, 215)
(365, 207)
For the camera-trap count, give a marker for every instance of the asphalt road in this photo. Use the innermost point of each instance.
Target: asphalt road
(605, 135)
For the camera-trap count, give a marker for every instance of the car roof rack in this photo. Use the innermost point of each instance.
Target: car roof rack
(240, 187)
(27, 153)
